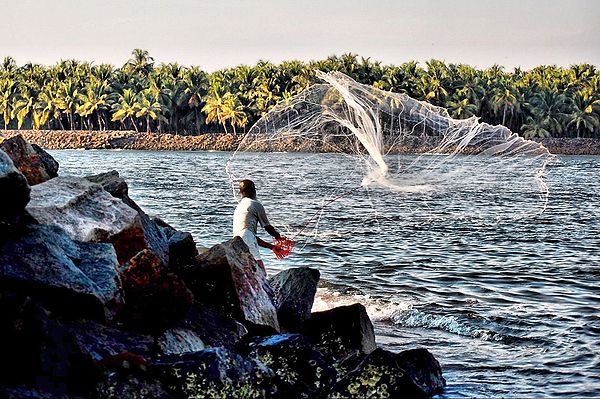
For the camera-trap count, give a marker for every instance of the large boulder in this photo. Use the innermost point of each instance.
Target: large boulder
(213, 328)
(147, 235)
(383, 374)
(72, 277)
(301, 371)
(293, 294)
(342, 331)
(228, 278)
(14, 188)
(89, 213)
(214, 373)
(37, 165)
(154, 298)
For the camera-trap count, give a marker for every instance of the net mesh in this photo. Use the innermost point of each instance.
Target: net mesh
(462, 166)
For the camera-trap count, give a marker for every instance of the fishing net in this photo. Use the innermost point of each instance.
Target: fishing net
(391, 160)
(283, 247)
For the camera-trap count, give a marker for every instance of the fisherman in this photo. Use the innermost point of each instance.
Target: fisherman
(246, 217)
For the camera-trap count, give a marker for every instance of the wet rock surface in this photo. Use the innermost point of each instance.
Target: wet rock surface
(140, 314)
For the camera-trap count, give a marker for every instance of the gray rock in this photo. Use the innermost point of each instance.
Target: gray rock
(342, 331)
(48, 160)
(14, 188)
(177, 341)
(293, 294)
(77, 277)
(149, 235)
(228, 278)
(215, 329)
(82, 208)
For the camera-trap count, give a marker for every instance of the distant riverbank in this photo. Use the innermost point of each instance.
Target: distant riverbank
(130, 140)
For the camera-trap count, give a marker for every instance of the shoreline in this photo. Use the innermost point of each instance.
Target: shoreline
(131, 140)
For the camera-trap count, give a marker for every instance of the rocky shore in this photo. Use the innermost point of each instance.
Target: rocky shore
(130, 140)
(99, 299)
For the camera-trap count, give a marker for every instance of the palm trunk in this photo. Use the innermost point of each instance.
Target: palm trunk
(134, 125)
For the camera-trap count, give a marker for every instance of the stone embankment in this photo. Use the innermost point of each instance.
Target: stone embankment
(130, 140)
(100, 300)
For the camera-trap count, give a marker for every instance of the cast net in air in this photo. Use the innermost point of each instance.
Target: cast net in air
(391, 161)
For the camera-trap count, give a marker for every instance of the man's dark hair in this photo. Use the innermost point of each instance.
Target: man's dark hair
(247, 188)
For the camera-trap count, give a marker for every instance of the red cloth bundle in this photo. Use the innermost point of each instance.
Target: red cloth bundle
(282, 247)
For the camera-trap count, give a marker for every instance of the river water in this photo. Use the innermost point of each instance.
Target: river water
(510, 309)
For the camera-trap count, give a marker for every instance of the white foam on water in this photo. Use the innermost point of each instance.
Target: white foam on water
(377, 309)
(401, 314)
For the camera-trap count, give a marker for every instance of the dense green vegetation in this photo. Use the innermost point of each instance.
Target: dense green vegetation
(546, 101)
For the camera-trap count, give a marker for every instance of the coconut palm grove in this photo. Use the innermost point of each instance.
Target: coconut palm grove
(142, 95)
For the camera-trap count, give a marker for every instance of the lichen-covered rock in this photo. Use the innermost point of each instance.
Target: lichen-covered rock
(342, 331)
(215, 329)
(300, 370)
(146, 234)
(293, 294)
(228, 278)
(382, 375)
(116, 384)
(28, 160)
(177, 341)
(154, 298)
(214, 373)
(14, 188)
(72, 277)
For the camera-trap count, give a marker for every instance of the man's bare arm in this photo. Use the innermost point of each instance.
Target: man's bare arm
(264, 244)
(271, 230)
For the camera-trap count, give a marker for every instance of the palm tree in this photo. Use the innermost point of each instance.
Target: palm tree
(125, 108)
(148, 107)
(140, 63)
(8, 91)
(96, 99)
(68, 100)
(584, 115)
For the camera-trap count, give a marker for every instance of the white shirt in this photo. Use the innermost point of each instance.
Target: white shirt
(247, 215)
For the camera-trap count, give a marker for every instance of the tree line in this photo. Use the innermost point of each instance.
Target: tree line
(546, 101)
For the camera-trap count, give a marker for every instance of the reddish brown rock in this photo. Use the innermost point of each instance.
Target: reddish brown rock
(28, 160)
(228, 278)
(154, 298)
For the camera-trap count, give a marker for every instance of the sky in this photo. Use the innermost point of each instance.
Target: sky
(225, 33)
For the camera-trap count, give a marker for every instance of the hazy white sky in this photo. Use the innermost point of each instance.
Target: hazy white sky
(222, 33)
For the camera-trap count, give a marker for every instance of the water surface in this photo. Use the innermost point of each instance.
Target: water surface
(509, 308)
